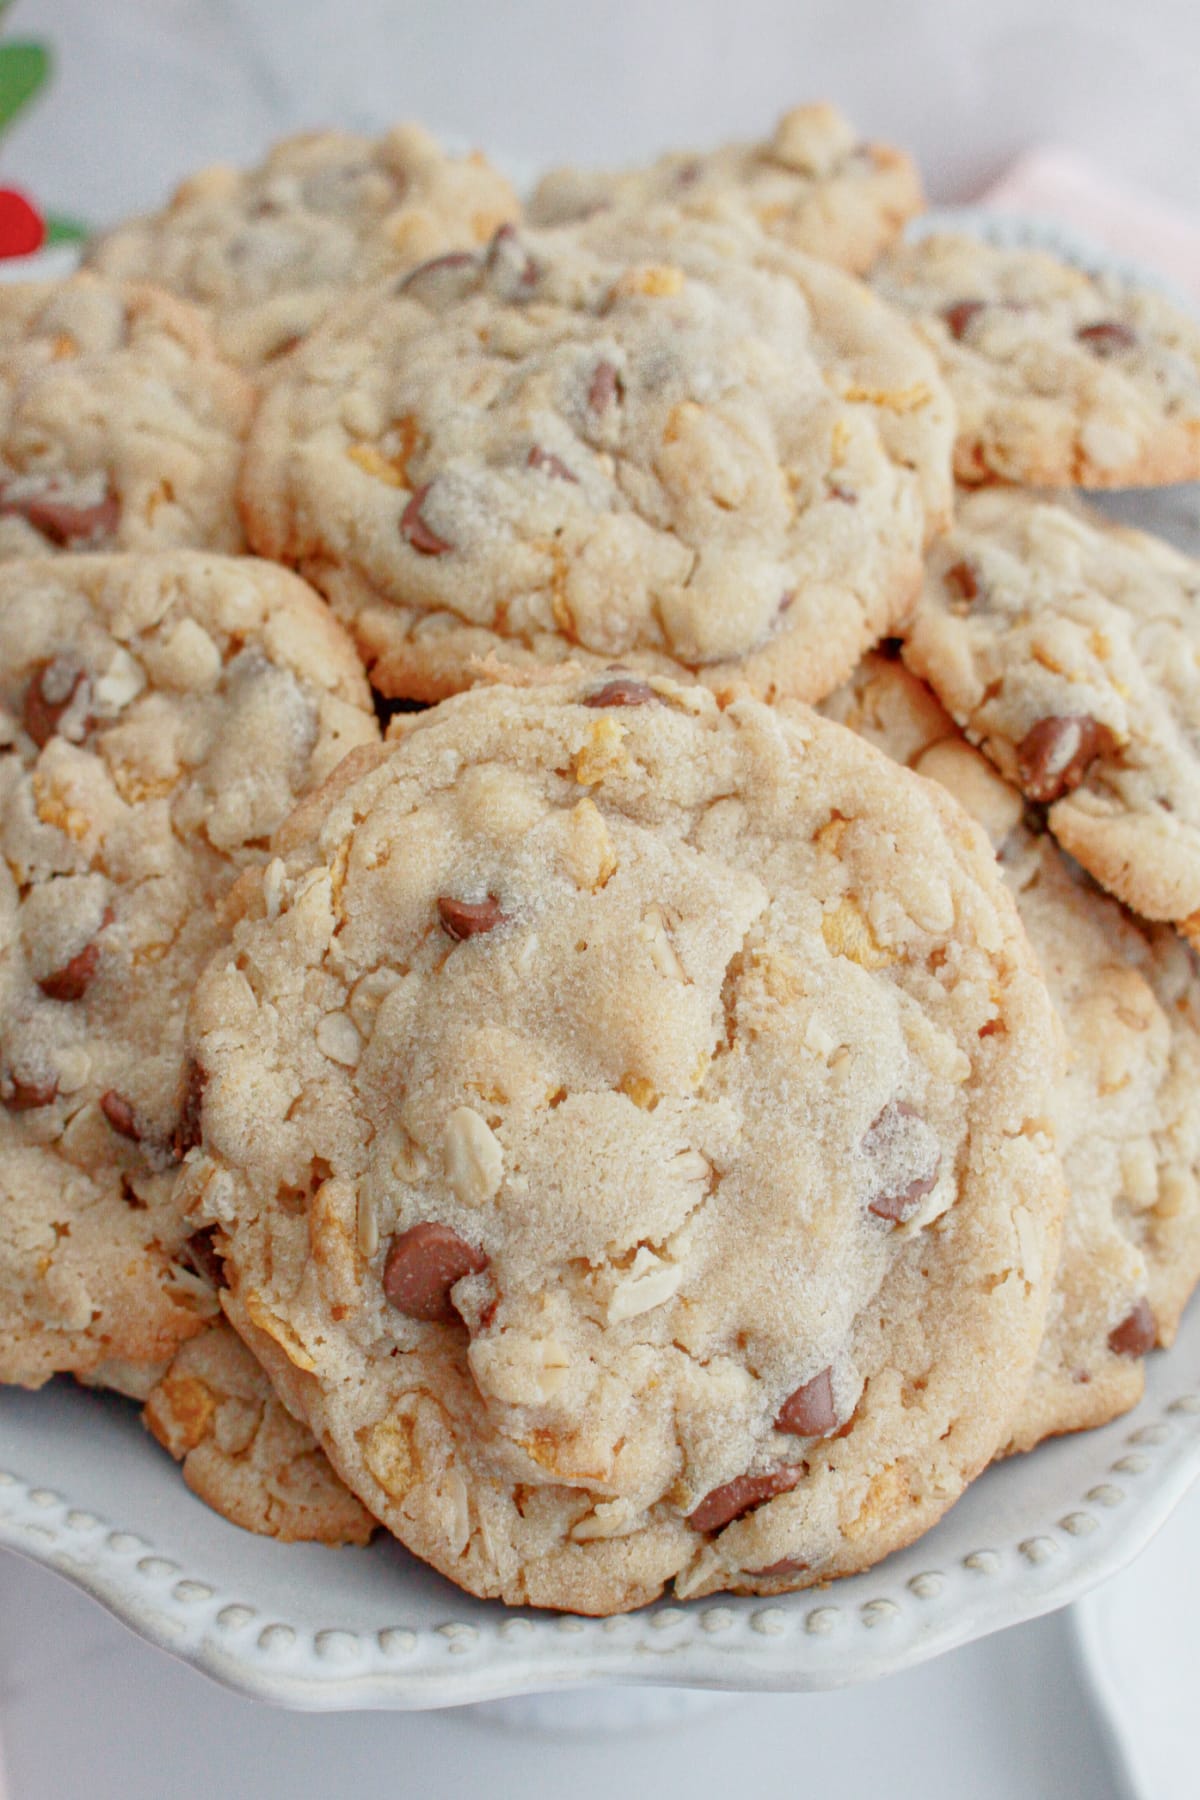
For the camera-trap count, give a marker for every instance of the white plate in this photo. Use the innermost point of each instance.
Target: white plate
(86, 1492)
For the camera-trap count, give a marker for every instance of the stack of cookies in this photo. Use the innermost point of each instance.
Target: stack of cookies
(599, 855)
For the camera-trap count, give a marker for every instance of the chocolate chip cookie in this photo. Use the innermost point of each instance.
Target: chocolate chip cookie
(1127, 1114)
(672, 445)
(814, 184)
(242, 1452)
(159, 716)
(120, 427)
(267, 251)
(624, 1118)
(1066, 648)
(1060, 378)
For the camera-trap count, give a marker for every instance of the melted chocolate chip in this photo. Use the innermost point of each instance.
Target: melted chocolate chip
(550, 465)
(26, 1095)
(423, 1265)
(898, 1199)
(188, 1130)
(810, 1411)
(73, 980)
(1135, 1335)
(201, 1256)
(1108, 338)
(624, 690)
(962, 580)
(52, 688)
(1055, 755)
(59, 521)
(469, 918)
(959, 316)
(724, 1504)
(605, 387)
(421, 536)
(120, 1115)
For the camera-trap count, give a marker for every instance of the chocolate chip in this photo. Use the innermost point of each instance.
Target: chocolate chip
(738, 1496)
(892, 1142)
(469, 918)
(29, 1094)
(552, 465)
(201, 1256)
(962, 580)
(59, 521)
(420, 535)
(1055, 755)
(1107, 338)
(810, 1411)
(120, 1115)
(625, 690)
(959, 316)
(188, 1130)
(422, 1266)
(73, 980)
(51, 691)
(787, 1565)
(605, 387)
(1136, 1335)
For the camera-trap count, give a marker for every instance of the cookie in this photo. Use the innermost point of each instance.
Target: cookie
(159, 717)
(1067, 648)
(676, 446)
(1060, 378)
(1127, 1113)
(622, 1117)
(268, 251)
(120, 427)
(814, 184)
(242, 1452)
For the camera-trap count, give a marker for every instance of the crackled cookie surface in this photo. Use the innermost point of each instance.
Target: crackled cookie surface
(624, 1122)
(1060, 378)
(242, 1452)
(159, 716)
(813, 183)
(267, 251)
(120, 426)
(674, 445)
(1127, 1112)
(1067, 648)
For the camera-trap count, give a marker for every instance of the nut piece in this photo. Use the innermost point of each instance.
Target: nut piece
(550, 465)
(1055, 755)
(423, 1265)
(724, 1504)
(1137, 1334)
(474, 1158)
(468, 918)
(810, 1411)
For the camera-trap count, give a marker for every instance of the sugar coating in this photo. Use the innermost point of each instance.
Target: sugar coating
(669, 443)
(159, 717)
(1078, 619)
(1060, 378)
(120, 426)
(266, 252)
(731, 979)
(813, 183)
(1127, 1113)
(242, 1452)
